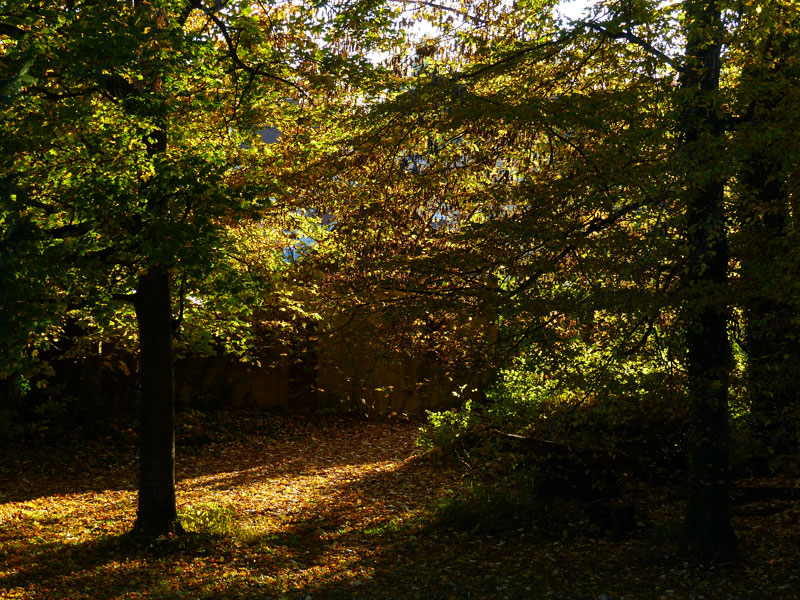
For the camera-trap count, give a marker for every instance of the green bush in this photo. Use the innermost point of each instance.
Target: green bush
(627, 415)
(445, 427)
(209, 517)
(481, 508)
(519, 396)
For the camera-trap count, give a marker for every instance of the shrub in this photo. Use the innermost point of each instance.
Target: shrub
(482, 508)
(444, 428)
(209, 518)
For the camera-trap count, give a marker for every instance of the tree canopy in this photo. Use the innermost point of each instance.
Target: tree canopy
(575, 213)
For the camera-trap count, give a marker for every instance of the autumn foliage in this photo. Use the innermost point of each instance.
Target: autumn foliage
(565, 249)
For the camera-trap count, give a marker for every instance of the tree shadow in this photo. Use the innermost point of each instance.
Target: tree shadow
(372, 537)
(105, 567)
(109, 567)
(403, 554)
(190, 565)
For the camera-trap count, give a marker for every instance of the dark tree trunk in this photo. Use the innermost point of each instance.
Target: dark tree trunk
(156, 514)
(772, 336)
(708, 516)
(773, 360)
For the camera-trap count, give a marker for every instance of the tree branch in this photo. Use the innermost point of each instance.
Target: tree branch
(464, 15)
(237, 61)
(514, 56)
(12, 31)
(635, 39)
(124, 297)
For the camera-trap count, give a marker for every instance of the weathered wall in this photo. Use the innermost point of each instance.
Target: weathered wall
(362, 363)
(348, 369)
(365, 377)
(346, 378)
(225, 382)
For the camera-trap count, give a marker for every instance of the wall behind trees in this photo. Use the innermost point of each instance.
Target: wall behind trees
(363, 362)
(348, 369)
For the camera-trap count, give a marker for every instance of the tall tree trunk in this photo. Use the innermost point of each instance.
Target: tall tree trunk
(708, 515)
(772, 336)
(156, 514)
(773, 359)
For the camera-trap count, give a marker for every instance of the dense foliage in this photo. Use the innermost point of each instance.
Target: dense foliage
(582, 230)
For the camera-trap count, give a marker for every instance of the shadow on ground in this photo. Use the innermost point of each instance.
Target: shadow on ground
(349, 516)
(246, 446)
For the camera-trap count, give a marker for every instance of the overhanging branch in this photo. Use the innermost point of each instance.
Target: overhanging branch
(12, 31)
(237, 61)
(635, 39)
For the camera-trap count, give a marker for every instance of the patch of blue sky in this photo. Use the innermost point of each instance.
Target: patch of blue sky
(303, 242)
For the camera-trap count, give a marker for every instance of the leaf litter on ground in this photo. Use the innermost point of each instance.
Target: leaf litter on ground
(312, 507)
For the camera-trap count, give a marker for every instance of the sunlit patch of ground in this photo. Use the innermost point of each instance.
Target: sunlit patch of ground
(343, 509)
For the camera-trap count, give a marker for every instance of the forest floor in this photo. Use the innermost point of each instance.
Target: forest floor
(313, 508)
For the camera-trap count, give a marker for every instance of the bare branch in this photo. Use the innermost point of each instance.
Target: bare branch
(635, 39)
(464, 15)
(223, 29)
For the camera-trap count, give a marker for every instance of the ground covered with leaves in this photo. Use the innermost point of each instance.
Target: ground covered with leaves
(298, 507)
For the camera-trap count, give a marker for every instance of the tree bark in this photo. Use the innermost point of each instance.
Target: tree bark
(708, 515)
(772, 336)
(156, 514)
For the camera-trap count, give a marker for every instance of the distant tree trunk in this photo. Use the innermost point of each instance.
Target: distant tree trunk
(772, 335)
(708, 516)
(773, 359)
(156, 514)
(90, 393)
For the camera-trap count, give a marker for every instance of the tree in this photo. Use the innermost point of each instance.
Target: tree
(136, 147)
(708, 361)
(763, 239)
(517, 172)
(566, 177)
(129, 119)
